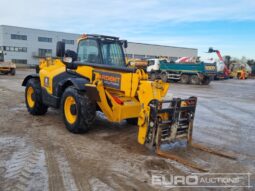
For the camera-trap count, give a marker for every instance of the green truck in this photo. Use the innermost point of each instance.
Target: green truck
(186, 73)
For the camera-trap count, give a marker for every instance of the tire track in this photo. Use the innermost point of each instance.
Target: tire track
(23, 168)
(98, 185)
(66, 173)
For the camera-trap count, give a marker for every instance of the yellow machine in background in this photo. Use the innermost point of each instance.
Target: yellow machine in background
(97, 78)
(6, 67)
(136, 63)
(239, 71)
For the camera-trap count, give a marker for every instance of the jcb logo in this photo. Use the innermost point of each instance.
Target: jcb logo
(210, 67)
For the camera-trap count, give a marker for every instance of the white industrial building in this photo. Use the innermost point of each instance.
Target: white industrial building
(26, 45)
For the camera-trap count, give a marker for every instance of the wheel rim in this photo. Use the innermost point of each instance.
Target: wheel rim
(69, 104)
(30, 100)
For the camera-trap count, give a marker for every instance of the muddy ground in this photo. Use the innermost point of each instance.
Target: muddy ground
(38, 153)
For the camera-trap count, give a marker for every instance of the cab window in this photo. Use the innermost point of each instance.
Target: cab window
(88, 51)
(112, 53)
(151, 62)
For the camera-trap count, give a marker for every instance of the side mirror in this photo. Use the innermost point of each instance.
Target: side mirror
(67, 60)
(69, 57)
(60, 49)
(71, 54)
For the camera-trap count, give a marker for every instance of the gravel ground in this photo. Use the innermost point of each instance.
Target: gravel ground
(38, 153)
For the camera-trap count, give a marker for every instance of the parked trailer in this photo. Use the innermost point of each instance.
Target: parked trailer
(194, 73)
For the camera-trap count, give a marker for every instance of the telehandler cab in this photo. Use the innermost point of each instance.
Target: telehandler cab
(97, 78)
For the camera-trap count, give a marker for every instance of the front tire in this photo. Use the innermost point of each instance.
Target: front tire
(78, 111)
(5, 73)
(33, 97)
(163, 77)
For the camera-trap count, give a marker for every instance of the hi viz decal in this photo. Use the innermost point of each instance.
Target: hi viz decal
(112, 80)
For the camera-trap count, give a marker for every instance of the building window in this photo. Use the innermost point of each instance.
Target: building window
(19, 61)
(44, 39)
(45, 52)
(139, 56)
(13, 49)
(68, 41)
(18, 37)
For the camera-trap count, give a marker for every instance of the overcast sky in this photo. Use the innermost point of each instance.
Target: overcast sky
(228, 25)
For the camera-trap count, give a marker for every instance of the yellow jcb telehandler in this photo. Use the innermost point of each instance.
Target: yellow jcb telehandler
(97, 78)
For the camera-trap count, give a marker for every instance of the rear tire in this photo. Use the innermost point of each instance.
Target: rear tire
(185, 79)
(13, 71)
(33, 97)
(80, 114)
(206, 81)
(194, 80)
